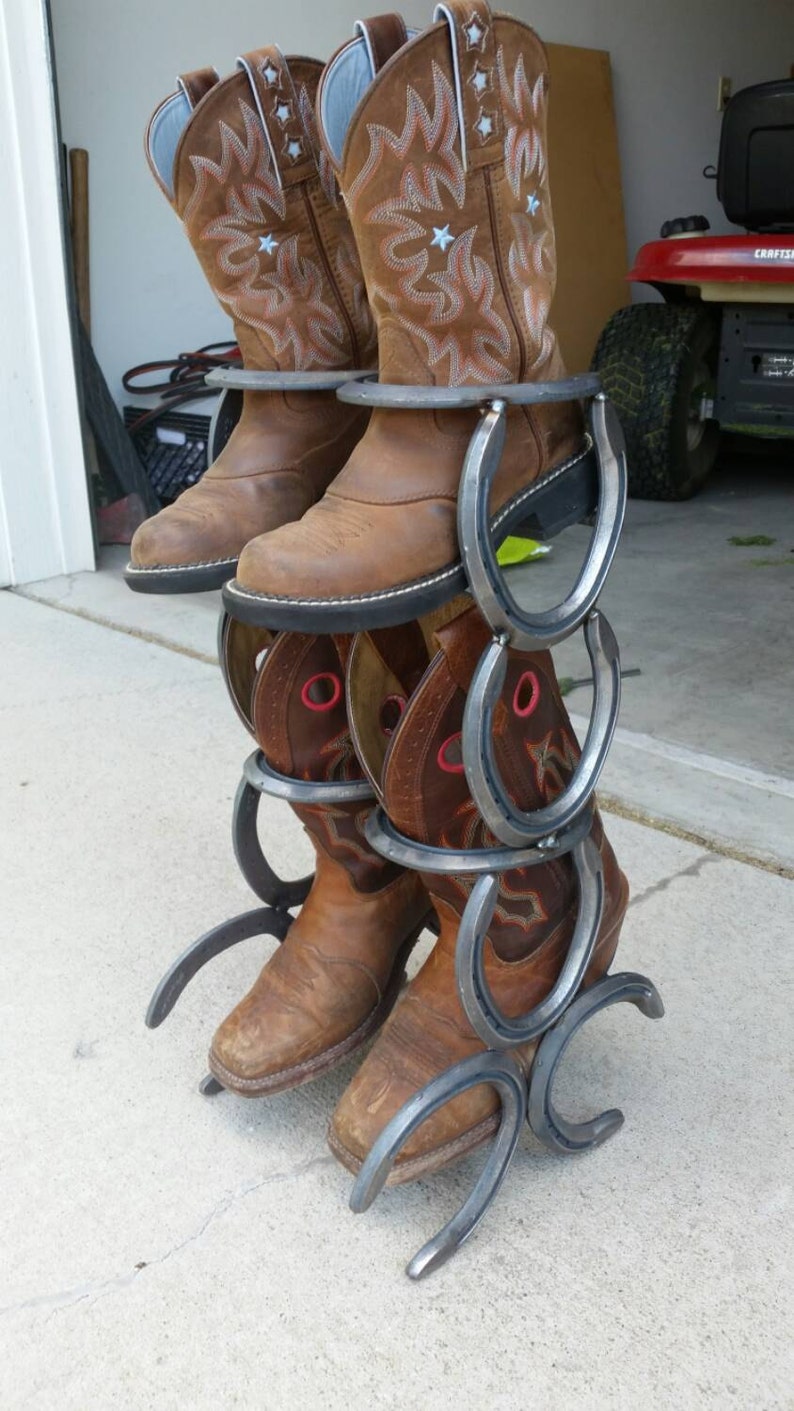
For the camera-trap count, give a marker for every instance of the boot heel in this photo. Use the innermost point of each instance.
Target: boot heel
(607, 945)
(563, 499)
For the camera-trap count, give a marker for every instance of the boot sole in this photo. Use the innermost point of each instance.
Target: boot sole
(427, 1163)
(563, 498)
(180, 578)
(311, 1068)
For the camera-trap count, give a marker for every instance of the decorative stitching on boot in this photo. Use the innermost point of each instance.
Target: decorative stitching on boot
(177, 567)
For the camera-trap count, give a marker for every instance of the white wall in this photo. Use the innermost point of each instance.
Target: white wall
(115, 62)
(45, 524)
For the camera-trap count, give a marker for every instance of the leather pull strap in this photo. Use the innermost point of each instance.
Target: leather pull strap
(343, 641)
(405, 652)
(196, 85)
(476, 81)
(274, 93)
(383, 36)
(370, 687)
(463, 642)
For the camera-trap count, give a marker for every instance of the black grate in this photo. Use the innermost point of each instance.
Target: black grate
(172, 449)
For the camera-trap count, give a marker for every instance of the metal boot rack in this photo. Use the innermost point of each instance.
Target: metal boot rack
(524, 838)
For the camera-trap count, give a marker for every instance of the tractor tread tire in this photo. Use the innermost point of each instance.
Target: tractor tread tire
(644, 357)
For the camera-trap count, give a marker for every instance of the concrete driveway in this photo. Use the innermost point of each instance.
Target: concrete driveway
(163, 1250)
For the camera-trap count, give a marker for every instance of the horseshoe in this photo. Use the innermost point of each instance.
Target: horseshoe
(556, 1132)
(502, 1072)
(494, 1028)
(264, 921)
(511, 825)
(534, 631)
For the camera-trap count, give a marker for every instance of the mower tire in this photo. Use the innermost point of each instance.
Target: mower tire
(658, 364)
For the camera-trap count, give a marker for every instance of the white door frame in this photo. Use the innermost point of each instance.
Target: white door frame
(45, 514)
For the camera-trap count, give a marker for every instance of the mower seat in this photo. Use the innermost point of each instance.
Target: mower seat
(755, 172)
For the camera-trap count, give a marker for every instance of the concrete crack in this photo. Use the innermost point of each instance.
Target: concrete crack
(155, 639)
(693, 870)
(95, 1290)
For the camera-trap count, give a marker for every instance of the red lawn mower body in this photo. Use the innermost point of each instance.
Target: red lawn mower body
(719, 352)
(757, 268)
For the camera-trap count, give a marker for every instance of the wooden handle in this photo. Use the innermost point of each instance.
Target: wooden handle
(78, 169)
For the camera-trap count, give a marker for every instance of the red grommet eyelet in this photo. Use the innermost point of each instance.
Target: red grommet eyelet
(528, 679)
(450, 766)
(312, 702)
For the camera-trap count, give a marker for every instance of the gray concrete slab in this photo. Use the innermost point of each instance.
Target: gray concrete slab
(165, 1251)
(710, 624)
(705, 739)
(186, 620)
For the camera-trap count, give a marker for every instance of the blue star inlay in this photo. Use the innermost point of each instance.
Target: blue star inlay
(268, 244)
(442, 237)
(474, 33)
(533, 204)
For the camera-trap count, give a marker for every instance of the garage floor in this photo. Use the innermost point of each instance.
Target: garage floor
(709, 622)
(706, 738)
(168, 1251)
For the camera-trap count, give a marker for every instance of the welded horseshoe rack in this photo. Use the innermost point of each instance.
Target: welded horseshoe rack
(590, 485)
(523, 838)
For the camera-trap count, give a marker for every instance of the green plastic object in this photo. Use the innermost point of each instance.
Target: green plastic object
(516, 550)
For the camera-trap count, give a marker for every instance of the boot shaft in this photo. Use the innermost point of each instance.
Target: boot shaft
(442, 161)
(299, 716)
(441, 158)
(529, 935)
(424, 789)
(240, 161)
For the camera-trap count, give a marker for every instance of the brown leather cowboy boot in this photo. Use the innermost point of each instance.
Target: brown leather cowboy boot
(442, 161)
(427, 797)
(335, 977)
(240, 162)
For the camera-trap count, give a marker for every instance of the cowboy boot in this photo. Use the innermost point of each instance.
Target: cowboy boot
(335, 977)
(239, 160)
(427, 797)
(441, 158)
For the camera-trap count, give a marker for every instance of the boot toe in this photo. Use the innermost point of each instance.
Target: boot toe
(237, 1048)
(299, 1015)
(212, 521)
(311, 558)
(403, 1060)
(342, 549)
(305, 1012)
(158, 542)
(181, 535)
(255, 1046)
(269, 563)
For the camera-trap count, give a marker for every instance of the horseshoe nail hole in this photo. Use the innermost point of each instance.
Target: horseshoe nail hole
(321, 692)
(526, 696)
(390, 712)
(450, 755)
